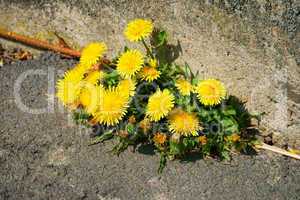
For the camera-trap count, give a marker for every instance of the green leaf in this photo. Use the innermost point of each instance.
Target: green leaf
(189, 143)
(203, 113)
(162, 163)
(120, 147)
(99, 139)
(195, 80)
(225, 155)
(229, 111)
(130, 128)
(81, 117)
(176, 148)
(111, 79)
(161, 38)
(215, 115)
(188, 72)
(229, 125)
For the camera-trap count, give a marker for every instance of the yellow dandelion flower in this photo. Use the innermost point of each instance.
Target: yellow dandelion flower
(138, 29)
(94, 76)
(202, 139)
(184, 87)
(183, 123)
(129, 63)
(112, 107)
(210, 92)
(160, 104)
(91, 54)
(159, 138)
(68, 88)
(153, 63)
(90, 97)
(149, 74)
(127, 87)
(80, 69)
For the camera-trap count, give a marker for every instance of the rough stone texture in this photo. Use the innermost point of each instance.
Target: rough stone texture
(45, 156)
(253, 46)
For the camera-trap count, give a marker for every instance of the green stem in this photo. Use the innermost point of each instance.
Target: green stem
(147, 48)
(107, 67)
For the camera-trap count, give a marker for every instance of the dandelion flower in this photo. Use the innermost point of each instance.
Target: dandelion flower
(68, 88)
(210, 92)
(112, 107)
(149, 74)
(132, 119)
(129, 63)
(234, 138)
(184, 86)
(202, 139)
(145, 124)
(127, 87)
(80, 69)
(159, 138)
(94, 76)
(160, 104)
(91, 54)
(90, 97)
(183, 123)
(138, 29)
(153, 63)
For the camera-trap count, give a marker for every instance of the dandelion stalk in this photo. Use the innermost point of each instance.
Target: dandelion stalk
(149, 52)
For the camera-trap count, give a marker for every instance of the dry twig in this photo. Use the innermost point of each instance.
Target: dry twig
(277, 150)
(38, 43)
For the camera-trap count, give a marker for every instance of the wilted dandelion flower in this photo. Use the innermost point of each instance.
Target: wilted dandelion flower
(149, 74)
(132, 119)
(160, 104)
(145, 124)
(210, 92)
(202, 139)
(184, 86)
(183, 123)
(159, 138)
(138, 29)
(129, 63)
(92, 53)
(112, 107)
(68, 88)
(233, 138)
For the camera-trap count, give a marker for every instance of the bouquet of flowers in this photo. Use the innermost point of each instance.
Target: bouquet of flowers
(143, 97)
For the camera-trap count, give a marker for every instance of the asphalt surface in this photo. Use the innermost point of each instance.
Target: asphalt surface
(45, 156)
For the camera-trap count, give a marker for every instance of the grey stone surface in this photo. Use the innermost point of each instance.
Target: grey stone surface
(46, 156)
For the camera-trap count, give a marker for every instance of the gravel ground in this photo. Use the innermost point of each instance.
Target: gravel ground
(45, 156)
